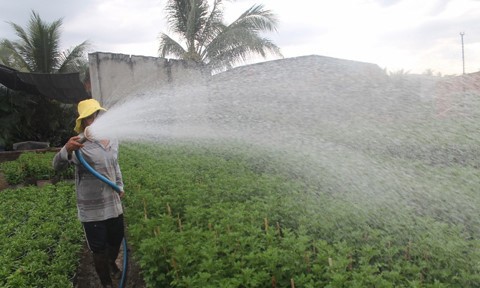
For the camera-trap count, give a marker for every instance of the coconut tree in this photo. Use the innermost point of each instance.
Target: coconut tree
(31, 117)
(38, 49)
(207, 39)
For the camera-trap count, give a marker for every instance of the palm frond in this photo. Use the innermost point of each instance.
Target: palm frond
(210, 41)
(185, 17)
(12, 58)
(213, 26)
(22, 48)
(38, 48)
(235, 44)
(45, 42)
(74, 59)
(177, 15)
(257, 19)
(168, 46)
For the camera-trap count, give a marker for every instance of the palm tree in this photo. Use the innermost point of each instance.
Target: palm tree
(211, 42)
(38, 49)
(30, 117)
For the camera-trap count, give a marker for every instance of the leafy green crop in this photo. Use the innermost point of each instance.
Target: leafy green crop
(211, 218)
(40, 236)
(33, 166)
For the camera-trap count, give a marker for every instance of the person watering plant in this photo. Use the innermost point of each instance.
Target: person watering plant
(99, 205)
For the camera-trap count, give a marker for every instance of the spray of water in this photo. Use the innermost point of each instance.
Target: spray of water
(372, 139)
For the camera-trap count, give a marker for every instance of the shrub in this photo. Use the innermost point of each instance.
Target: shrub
(33, 166)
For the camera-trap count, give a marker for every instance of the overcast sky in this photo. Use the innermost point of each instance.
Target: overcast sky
(409, 35)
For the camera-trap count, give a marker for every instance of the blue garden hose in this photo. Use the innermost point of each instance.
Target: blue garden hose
(116, 188)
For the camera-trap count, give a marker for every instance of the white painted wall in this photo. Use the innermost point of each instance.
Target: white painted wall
(115, 77)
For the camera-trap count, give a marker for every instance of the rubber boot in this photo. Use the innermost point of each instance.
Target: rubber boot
(112, 257)
(101, 266)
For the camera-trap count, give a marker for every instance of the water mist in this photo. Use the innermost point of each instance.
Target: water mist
(358, 134)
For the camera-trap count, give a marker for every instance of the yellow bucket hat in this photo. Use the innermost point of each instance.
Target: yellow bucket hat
(85, 109)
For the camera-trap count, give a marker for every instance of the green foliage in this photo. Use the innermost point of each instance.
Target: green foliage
(37, 49)
(40, 236)
(33, 166)
(34, 118)
(31, 117)
(209, 41)
(11, 103)
(209, 217)
(216, 218)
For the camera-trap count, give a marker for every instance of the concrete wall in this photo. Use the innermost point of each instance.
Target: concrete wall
(115, 77)
(334, 82)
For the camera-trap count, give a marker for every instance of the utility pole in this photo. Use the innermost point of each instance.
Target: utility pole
(463, 52)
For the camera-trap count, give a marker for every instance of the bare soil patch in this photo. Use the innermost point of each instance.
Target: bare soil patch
(86, 276)
(3, 181)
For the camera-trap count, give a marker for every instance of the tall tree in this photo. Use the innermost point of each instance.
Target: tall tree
(38, 49)
(31, 117)
(209, 41)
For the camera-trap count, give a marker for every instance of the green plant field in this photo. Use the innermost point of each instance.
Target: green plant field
(40, 236)
(31, 166)
(236, 216)
(202, 217)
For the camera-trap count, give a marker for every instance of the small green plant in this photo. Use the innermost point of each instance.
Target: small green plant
(13, 171)
(199, 218)
(40, 236)
(31, 166)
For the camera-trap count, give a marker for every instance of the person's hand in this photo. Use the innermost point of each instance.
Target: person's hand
(121, 194)
(73, 144)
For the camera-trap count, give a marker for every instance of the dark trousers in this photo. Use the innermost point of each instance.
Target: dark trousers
(103, 234)
(104, 239)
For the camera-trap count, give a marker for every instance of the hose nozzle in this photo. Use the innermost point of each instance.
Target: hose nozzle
(85, 136)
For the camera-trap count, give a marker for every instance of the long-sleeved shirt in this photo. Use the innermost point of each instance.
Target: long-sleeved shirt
(96, 200)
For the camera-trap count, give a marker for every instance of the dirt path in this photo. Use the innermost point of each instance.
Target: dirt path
(87, 277)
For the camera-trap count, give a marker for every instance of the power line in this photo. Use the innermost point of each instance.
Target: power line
(463, 52)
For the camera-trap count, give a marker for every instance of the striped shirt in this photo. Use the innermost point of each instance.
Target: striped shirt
(96, 200)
